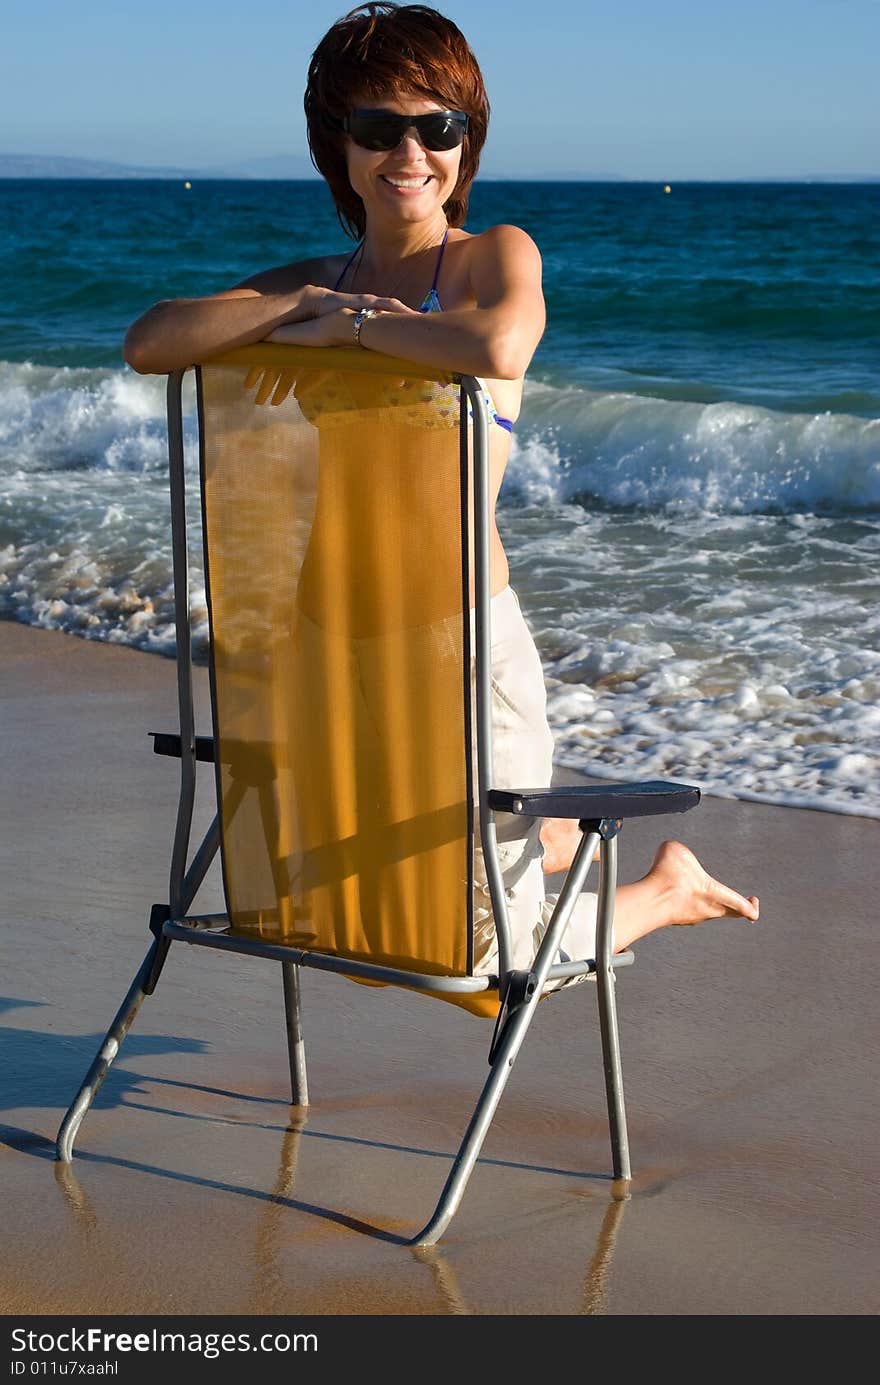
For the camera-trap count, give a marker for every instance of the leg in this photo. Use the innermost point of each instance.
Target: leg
(559, 838)
(522, 752)
(677, 890)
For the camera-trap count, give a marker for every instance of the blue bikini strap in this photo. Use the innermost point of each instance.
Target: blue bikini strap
(359, 247)
(433, 288)
(347, 265)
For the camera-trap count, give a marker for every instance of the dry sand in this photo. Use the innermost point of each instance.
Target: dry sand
(750, 1059)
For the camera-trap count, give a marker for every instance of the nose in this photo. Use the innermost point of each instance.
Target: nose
(410, 142)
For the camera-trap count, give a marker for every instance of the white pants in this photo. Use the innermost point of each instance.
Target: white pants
(522, 757)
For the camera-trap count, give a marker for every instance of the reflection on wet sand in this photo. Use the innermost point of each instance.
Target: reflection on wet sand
(272, 1290)
(274, 1267)
(596, 1281)
(102, 1253)
(270, 1294)
(84, 1214)
(444, 1278)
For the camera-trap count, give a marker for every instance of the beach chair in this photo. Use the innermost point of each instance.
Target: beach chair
(346, 520)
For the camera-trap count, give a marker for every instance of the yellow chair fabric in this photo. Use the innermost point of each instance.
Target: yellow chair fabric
(334, 557)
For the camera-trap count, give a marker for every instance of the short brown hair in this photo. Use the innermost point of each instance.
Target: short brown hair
(376, 50)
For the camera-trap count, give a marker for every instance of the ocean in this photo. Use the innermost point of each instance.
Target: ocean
(692, 507)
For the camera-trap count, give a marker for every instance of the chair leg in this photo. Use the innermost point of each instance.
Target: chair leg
(511, 1040)
(509, 1043)
(296, 1046)
(605, 994)
(141, 986)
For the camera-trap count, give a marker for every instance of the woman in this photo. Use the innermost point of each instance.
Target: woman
(397, 115)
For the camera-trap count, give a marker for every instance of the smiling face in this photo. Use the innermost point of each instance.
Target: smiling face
(408, 184)
(376, 56)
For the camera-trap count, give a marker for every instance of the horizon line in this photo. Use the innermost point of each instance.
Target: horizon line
(844, 179)
(111, 171)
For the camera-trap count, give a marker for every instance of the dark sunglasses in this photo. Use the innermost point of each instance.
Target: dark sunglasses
(382, 131)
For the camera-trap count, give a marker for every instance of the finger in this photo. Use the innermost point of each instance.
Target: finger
(270, 379)
(353, 301)
(285, 384)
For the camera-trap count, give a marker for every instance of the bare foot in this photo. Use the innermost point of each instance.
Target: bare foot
(676, 891)
(560, 838)
(693, 895)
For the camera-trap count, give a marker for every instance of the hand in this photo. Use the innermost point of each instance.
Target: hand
(267, 379)
(331, 326)
(274, 385)
(335, 328)
(318, 302)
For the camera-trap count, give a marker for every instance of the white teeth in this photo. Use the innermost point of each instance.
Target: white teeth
(406, 182)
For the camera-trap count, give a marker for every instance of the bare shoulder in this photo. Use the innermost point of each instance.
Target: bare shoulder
(508, 243)
(501, 263)
(510, 238)
(323, 271)
(500, 257)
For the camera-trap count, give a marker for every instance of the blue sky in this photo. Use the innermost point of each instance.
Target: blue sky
(672, 89)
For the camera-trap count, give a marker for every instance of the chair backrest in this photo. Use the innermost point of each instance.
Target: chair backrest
(337, 557)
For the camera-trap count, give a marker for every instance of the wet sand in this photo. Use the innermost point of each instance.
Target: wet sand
(750, 1056)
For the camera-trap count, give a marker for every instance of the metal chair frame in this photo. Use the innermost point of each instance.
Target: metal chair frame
(600, 812)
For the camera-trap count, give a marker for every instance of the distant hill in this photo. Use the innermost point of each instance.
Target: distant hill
(294, 166)
(271, 166)
(47, 166)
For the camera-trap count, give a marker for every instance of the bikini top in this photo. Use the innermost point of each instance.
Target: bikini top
(445, 395)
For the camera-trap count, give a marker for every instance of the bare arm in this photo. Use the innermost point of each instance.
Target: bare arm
(495, 339)
(177, 332)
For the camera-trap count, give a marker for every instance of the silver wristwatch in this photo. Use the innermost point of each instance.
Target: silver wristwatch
(360, 318)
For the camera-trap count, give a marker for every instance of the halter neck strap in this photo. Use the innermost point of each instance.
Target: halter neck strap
(439, 262)
(358, 249)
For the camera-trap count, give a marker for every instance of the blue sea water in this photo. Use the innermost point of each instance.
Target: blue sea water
(692, 507)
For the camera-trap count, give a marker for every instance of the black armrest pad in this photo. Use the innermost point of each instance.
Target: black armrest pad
(166, 743)
(597, 801)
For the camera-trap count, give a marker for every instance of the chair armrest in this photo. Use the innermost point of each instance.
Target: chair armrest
(593, 802)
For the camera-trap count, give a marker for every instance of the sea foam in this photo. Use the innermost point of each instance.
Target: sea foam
(629, 450)
(66, 418)
(701, 578)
